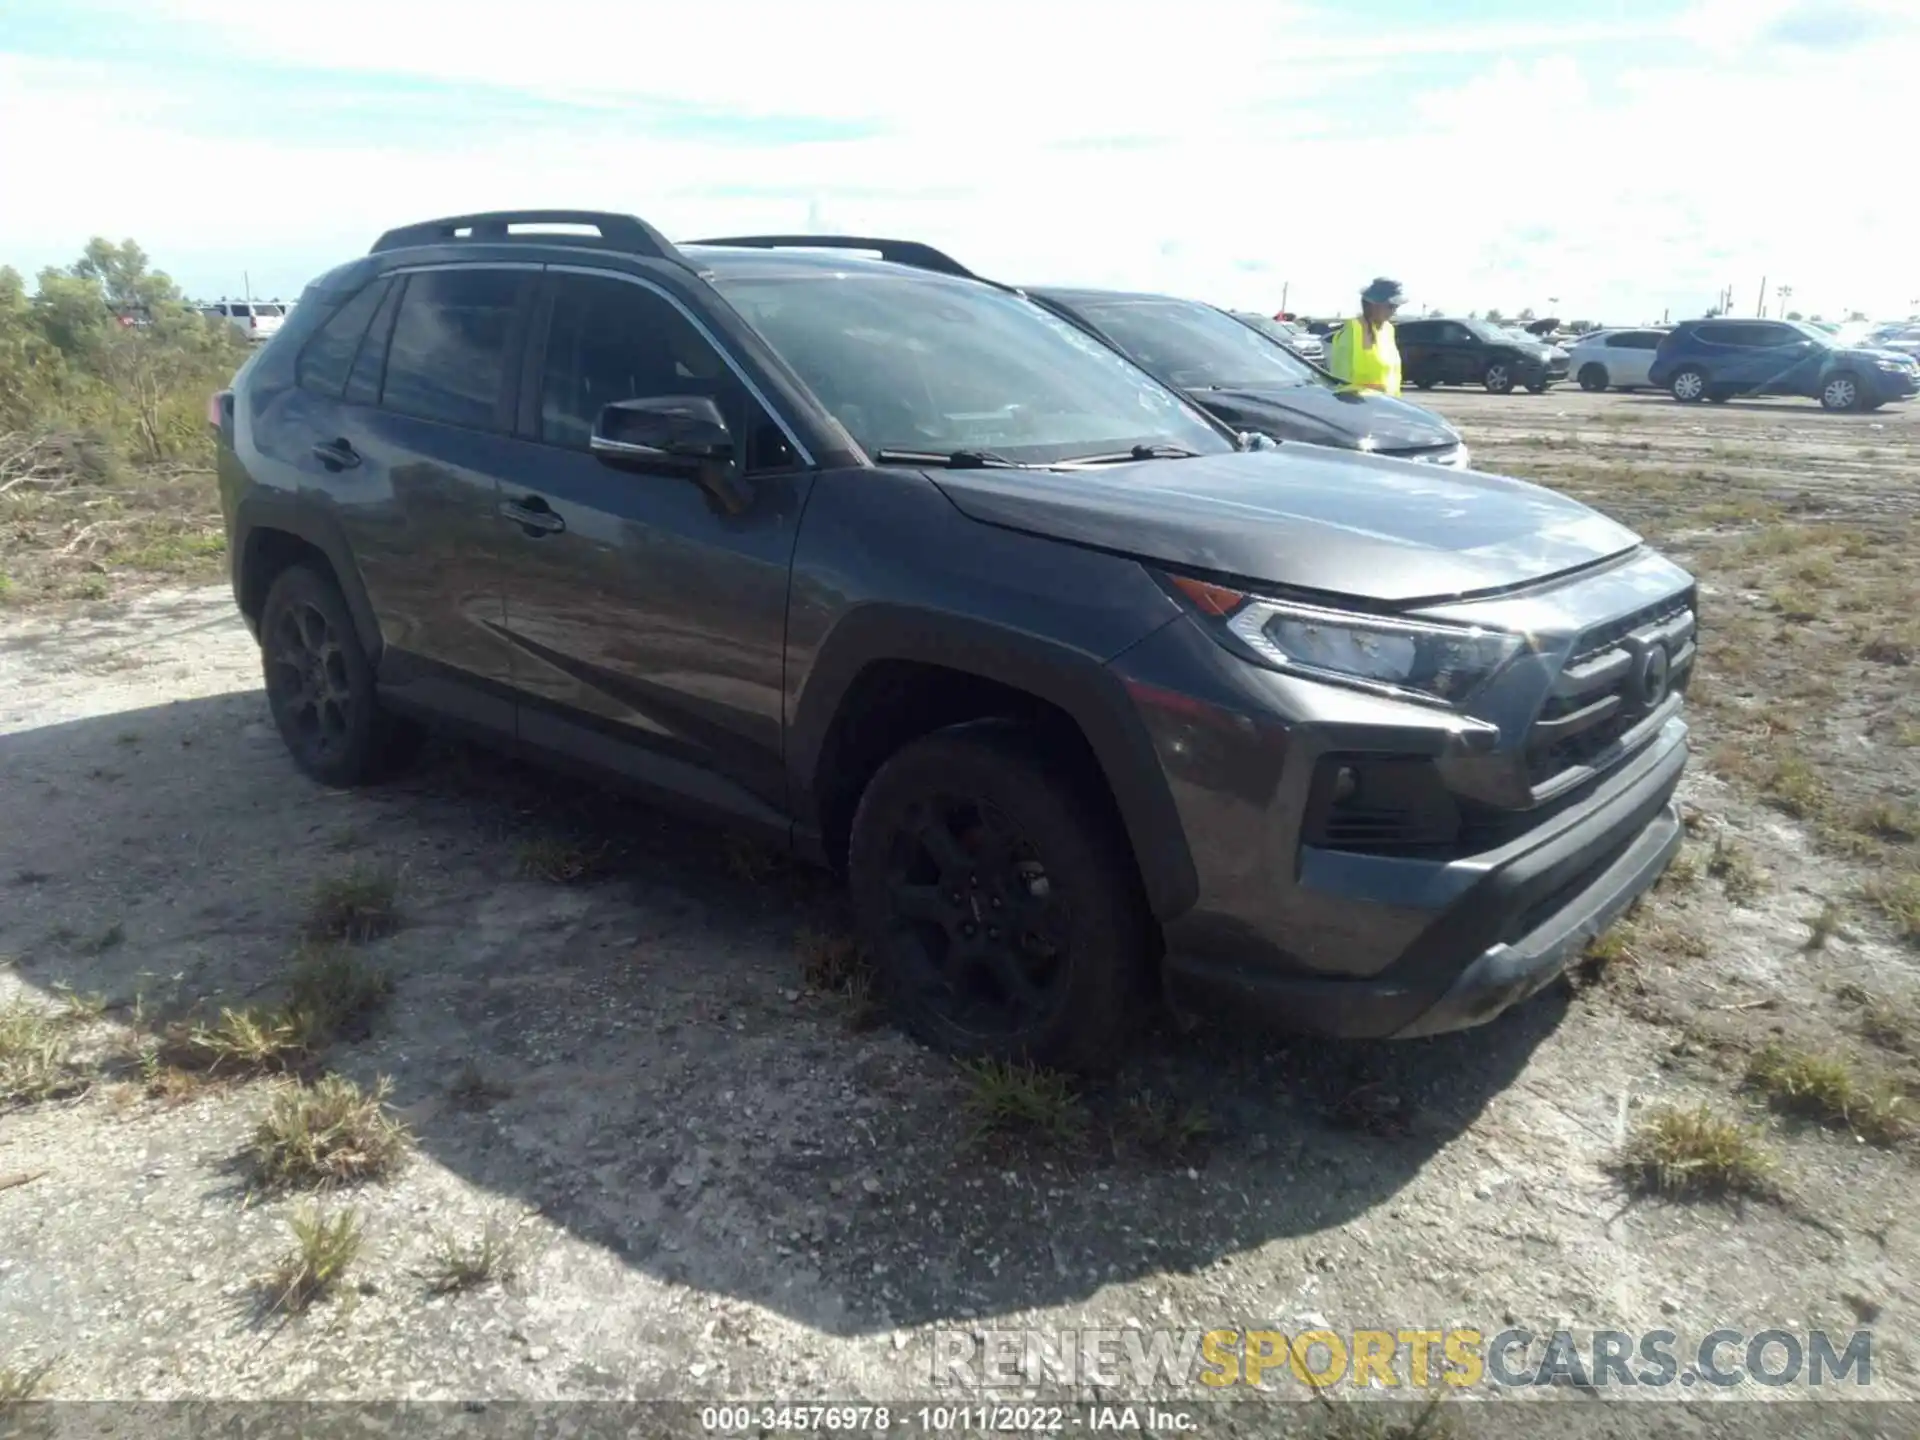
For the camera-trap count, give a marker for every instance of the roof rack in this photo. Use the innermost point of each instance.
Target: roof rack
(628, 234)
(896, 252)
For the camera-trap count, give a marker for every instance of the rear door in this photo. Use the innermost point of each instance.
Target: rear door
(1629, 354)
(1418, 363)
(648, 620)
(409, 456)
(1459, 353)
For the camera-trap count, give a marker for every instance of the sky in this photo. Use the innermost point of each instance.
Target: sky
(1613, 160)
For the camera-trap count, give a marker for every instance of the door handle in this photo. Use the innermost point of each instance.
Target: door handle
(336, 454)
(533, 515)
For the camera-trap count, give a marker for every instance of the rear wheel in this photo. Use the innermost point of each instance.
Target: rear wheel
(1689, 385)
(1593, 377)
(1842, 392)
(320, 687)
(1539, 387)
(1423, 384)
(999, 903)
(1498, 378)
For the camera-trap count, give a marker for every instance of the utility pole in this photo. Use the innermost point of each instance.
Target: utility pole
(1762, 311)
(1785, 292)
(1283, 296)
(246, 287)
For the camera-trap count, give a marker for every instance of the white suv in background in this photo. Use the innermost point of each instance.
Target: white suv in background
(258, 319)
(1617, 358)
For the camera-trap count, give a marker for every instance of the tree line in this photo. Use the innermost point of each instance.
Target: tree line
(105, 358)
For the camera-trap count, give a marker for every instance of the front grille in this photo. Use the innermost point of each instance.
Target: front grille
(1603, 696)
(1432, 454)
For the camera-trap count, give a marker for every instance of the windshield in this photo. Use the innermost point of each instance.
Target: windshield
(1272, 329)
(1197, 347)
(1814, 332)
(911, 362)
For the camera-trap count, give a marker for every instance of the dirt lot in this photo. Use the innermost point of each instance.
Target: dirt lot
(716, 1179)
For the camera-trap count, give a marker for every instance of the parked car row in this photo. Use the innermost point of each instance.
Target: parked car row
(1087, 693)
(1437, 350)
(1718, 359)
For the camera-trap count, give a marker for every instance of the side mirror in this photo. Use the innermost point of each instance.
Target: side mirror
(675, 432)
(675, 435)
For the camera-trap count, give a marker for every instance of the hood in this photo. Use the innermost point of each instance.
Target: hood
(1874, 352)
(1322, 415)
(1339, 522)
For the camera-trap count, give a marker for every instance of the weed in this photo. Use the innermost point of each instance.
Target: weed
(1888, 820)
(324, 1247)
(80, 1009)
(750, 861)
(1823, 926)
(492, 1255)
(330, 1132)
(1892, 648)
(19, 1384)
(1796, 788)
(1825, 1088)
(1019, 1102)
(828, 961)
(1682, 872)
(1897, 898)
(332, 993)
(33, 1055)
(1158, 1126)
(1795, 605)
(254, 1040)
(1740, 876)
(1680, 1153)
(559, 861)
(471, 1089)
(362, 904)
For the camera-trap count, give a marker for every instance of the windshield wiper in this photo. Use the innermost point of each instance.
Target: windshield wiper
(952, 459)
(1138, 452)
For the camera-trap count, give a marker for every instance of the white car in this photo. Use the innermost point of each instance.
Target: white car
(1616, 359)
(257, 319)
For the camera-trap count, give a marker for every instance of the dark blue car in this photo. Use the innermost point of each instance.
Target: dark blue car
(1719, 359)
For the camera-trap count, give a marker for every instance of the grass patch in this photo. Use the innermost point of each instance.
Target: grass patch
(1894, 647)
(34, 1052)
(559, 861)
(1682, 873)
(334, 994)
(466, 1264)
(1021, 1102)
(1888, 820)
(1681, 1154)
(1795, 604)
(1825, 1088)
(1159, 1126)
(472, 1089)
(362, 904)
(324, 1249)
(1796, 788)
(328, 1133)
(21, 1383)
(1898, 898)
(837, 964)
(1824, 925)
(1739, 874)
(1890, 1024)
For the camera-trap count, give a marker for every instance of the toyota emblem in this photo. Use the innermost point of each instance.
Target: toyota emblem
(1650, 677)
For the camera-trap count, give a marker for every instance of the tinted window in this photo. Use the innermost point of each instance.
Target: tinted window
(328, 357)
(1636, 340)
(1414, 332)
(612, 340)
(1195, 346)
(1734, 332)
(268, 310)
(918, 362)
(363, 385)
(448, 356)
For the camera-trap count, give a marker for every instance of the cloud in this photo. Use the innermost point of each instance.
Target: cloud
(1277, 144)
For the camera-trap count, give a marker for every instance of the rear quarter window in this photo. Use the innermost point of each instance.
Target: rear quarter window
(327, 359)
(448, 360)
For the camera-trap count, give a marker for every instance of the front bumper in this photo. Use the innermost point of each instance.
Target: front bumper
(1895, 384)
(1378, 945)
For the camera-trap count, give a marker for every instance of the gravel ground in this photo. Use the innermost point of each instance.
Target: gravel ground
(721, 1184)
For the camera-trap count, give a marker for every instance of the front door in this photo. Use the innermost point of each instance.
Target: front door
(648, 617)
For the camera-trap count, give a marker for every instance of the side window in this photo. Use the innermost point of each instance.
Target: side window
(370, 363)
(1637, 340)
(327, 357)
(612, 340)
(448, 359)
(1453, 335)
(1774, 336)
(1413, 333)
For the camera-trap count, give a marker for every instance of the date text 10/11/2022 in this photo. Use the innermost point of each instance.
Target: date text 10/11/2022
(947, 1419)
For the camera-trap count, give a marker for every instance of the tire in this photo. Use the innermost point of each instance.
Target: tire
(1497, 377)
(973, 823)
(1593, 377)
(1424, 384)
(320, 684)
(1539, 387)
(1843, 391)
(1719, 397)
(1689, 385)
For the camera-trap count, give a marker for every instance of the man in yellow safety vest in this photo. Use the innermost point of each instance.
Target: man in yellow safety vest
(1363, 352)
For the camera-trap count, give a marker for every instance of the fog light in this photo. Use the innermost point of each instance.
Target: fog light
(1346, 784)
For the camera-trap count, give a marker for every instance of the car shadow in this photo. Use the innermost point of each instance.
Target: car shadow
(659, 1075)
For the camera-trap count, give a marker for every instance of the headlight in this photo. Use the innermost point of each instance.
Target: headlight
(1461, 459)
(1894, 364)
(1415, 659)
(1445, 663)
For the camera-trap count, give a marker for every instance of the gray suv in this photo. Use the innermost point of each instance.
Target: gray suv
(889, 565)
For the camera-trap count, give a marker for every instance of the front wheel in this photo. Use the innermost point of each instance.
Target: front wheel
(1593, 377)
(1689, 385)
(1841, 392)
(1424, 384)
(1498, 378)
(320, 685)
(1539, 387)
(999, 902)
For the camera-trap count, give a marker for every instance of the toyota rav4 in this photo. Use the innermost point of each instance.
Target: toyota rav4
(1083, 691)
